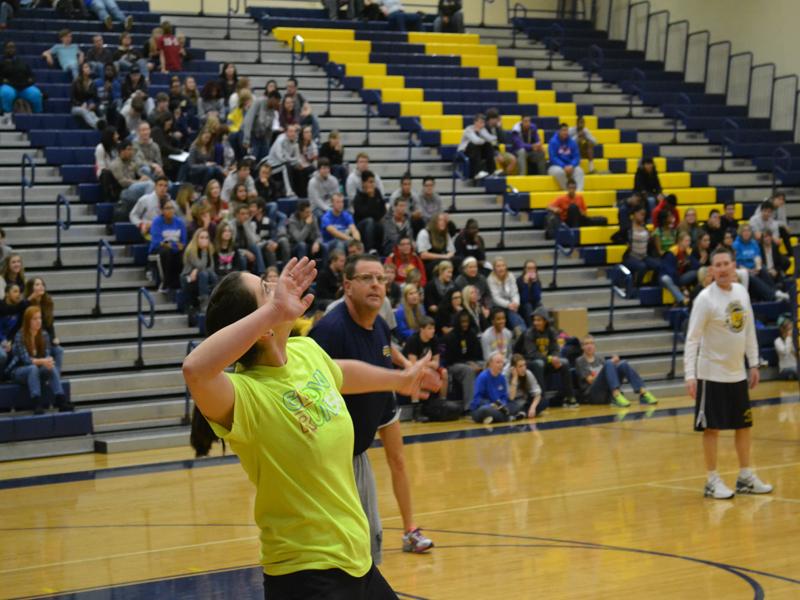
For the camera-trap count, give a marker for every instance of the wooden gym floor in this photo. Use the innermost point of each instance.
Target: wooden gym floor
(588, 503)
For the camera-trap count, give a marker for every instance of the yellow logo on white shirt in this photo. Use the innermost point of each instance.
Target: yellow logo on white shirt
(735, 317)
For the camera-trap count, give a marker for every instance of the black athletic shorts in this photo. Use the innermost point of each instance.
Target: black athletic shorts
(722, 406)
(331, 584)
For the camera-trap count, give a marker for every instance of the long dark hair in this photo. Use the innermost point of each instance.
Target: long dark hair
(230, 302)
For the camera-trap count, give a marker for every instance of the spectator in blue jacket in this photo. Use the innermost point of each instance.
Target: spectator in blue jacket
(679, 268)
(168, 239)
(32, 362)
(565, 158)
(409, 313)
(748, 256)
(490, 402)
(528, 148)
(530, 290)
(338, 226)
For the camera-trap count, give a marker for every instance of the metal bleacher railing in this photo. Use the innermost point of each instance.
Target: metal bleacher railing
(187, 395)
(61, 225)
(143, 323)
(102, 271)
(25, 183)
(621, 286)
(563, 244)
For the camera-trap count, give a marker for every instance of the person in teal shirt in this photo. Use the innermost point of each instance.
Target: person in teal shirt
(68, 55)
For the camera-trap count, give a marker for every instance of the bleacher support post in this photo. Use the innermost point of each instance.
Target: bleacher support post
(102, 271)
(25, 183)
(61, 225)
(142, 323)
(678, 319)
(559, 248)
(368, 116)
(187, 396)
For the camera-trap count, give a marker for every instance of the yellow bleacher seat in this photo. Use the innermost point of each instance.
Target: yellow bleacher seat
(442, 122)
(479, 60)
(416, 109)
(536, 96)
(402, 94)
(361, 69)
(611, 214)
(324, 45)
(378, 82)
(420, 37)
(614, 253)
(699, 195)
(513, 84)
(285, 34)
(556, 109)
(498, 73)
(450, 137)
(593, 236)
(345, 57)
(630, 150)
(592, 199)
(625, 182)
(461, 49)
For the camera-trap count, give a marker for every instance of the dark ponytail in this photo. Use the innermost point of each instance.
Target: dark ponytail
(230, 302)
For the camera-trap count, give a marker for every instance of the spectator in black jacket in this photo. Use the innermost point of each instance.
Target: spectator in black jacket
(330, 279)
(530, 290)
(463, 356)
(98, 56)
(450, 18)
(334, 152)
(774, 264)
(647, 184)
(17, 81)
(470, 243)
(713, 227)
(369, 209)
(134, 82)
(126, 56)
(84, 98)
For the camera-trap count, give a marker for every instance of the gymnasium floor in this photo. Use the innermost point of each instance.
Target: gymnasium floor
(589, 503)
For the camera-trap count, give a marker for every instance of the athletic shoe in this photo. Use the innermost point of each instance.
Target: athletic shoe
(781, 295)
(481, 175)
(570, 403)
(752, 485)
(499, 172)
(108, 23)
(621, 401)
(128, 23)
(416, 542)
(648, 398)
(718, 490)
(488, 420)
(520, 415)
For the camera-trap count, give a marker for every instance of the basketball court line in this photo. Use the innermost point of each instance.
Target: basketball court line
(696, 490)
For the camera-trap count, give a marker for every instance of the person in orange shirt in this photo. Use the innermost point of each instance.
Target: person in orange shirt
(570, 209)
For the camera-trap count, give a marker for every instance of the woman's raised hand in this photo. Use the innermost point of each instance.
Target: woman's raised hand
(288, 300)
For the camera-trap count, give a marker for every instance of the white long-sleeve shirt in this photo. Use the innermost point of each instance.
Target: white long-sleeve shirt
(721, 332)
(785, 351)
(503, 292)
(479, 138)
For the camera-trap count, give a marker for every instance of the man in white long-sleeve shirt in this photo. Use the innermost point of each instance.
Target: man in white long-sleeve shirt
(721, 333)
(478, 144)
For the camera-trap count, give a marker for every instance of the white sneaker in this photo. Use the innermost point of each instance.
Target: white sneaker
(752, 485)
(481, 175)
(499, 172)
(718, 490)
(781, 295)
(487, 420)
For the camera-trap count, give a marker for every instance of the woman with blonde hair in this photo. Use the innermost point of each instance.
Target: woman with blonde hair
(434, 243)
(218, 206)
(12, 271)
(198, 277)
(32, 362)
(409, 313)
(439, 286)
(184, 199)
(201, 219)
(226, 259)
(505, 294)
(471, 300)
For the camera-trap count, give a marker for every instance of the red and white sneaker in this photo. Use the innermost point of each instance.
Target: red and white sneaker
(415, 541)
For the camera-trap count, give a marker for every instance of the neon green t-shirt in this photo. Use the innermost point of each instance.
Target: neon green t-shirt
(294, 437)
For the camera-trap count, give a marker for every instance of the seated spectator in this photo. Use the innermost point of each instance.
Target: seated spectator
(637, 258)
(303, 114)
(167, 241)
(32, 362)
(664, 232)
(198, 277)
(147, 151)
(259, 126)
(450, 18)
(478, 312)
(530, 290)
(354, 8)
(701, 252)
(108, 11)
(528, 148)
(68, 55)
(129, 175)
(266, 188)
(668, 203)
(98, 56)
(448, 309)
(12, 307)
(585, 140)
(369, 209)
(728, 220)
(84, 98)
(304, 232)
(308, 161)
(170, 55)
(228, 77)
(393, 292)
(625, 208)
(679, 269)
(439, 285)
(506, 162)
(5, 249)
(410, 312)
(355, 180)
(434, 243)
(226, 259)
(565, 158)
(192, 95)
(779, 214)
(471, 276)
(36, 295)
(213, 196)
(647, 184)
(126, 56)
(469, 243)
(748, 256)
(539, 345)
(134, 109)
(245, 240)
(330, 281)
(272, 234)
(169, 144)
(235, 99)
(355, 247)
(109, 93)
(200, 167)
(504, 293)
(430, 204)
(762, 220)
(570, 209)
(478, 144)
(496, 337)
(150, 206)
(7, 10)
(333, 151)
(396, 224)
(775, 264)
(240, 176)
(523, 389)
(212, 102)
(727, 239)
(12, 272)
(422, 342)
(410, 197)
(784, 348)
(690, 226)
(601, 380)
(491, 403)
(200, 218)
(284, 158)
(150, 47)
(286, 114)
(713, 227)
(399, 19)
(463, 355)
(406, 261)
(185, 199)
(321, 188)
(106, 151)
(17, 81)
(338, 227)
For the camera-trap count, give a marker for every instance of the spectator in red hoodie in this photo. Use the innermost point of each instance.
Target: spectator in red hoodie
(405, 259)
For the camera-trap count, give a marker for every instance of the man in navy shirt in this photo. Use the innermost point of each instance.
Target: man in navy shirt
(354, 330)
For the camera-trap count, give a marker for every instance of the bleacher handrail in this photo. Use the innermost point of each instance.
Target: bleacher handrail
(677, 317)
(187, 396)
(623, 293)
(412, 142)
(506, 209)
(517, 8)
(61, 225)
(297, 38)
(780, 154)
(141, 322)
(680, 114)
(636, 76)
(562, 233)
(228, 13)
(726, 142)
(595, 57)
(553, 42)
(460, 159)
(25, 183)
(102, 271)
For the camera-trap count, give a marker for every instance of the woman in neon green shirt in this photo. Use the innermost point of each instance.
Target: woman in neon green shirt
(282, 413)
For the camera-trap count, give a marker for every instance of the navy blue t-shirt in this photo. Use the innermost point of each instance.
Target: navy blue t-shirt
(343, 338)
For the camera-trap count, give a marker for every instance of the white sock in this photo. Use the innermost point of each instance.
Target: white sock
(745, 473)
(713, 476)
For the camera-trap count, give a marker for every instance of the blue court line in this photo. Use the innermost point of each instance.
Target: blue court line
(422, 438)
